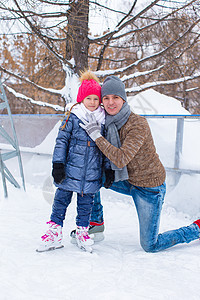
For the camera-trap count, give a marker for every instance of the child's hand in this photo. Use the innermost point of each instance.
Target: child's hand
(92, 127)
(110, 178)
(58, 172)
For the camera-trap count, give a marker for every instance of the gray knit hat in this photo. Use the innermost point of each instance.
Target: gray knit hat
(112, 85)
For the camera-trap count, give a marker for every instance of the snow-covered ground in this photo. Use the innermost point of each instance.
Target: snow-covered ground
(118, 268)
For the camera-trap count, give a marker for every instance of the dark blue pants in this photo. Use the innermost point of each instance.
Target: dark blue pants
(62, 200)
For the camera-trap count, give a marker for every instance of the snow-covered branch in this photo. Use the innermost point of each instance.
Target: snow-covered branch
(139, 74)
(26, 80)
(148, 85)
(40, 103)
(154, 55)
(149, 72)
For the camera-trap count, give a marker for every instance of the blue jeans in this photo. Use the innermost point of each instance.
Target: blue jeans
(62, 200)
(148, 202)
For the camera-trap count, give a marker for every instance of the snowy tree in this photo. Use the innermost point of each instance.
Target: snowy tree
(149, 45)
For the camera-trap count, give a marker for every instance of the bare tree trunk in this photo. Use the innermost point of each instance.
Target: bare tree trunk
(77, 43)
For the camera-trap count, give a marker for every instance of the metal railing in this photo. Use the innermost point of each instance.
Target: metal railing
(178, 139)
(178, 143)
(13, 141)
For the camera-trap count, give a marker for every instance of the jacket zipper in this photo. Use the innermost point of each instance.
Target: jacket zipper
(84, 175)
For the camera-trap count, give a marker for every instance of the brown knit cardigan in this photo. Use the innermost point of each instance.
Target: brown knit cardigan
(137, 152)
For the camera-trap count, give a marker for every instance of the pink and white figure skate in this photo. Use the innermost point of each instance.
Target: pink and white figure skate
(52, 239)
(84, 241)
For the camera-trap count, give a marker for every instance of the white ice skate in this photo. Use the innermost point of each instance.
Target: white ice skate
(52, 239)
(84, 242)
(95, 231)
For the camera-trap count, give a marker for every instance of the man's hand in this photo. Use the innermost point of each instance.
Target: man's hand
(92, 127)
(58, 172)
(110, 178)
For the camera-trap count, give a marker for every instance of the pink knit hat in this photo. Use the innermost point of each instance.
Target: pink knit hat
(89, 87)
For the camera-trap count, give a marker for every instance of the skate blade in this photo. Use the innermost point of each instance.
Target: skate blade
(49, 249)
(86, 248)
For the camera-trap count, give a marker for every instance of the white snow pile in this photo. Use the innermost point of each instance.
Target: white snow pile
(118, 268)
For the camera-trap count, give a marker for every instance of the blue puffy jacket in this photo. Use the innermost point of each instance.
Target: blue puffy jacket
(82, 158)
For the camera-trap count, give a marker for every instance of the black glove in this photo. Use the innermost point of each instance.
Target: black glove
(58, 172)
(110, 178)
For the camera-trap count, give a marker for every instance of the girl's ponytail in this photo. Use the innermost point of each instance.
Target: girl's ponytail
(67, 114)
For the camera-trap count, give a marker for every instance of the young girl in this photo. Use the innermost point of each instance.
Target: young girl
(77, 166)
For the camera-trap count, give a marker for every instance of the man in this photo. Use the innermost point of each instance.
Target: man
(136, 168)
